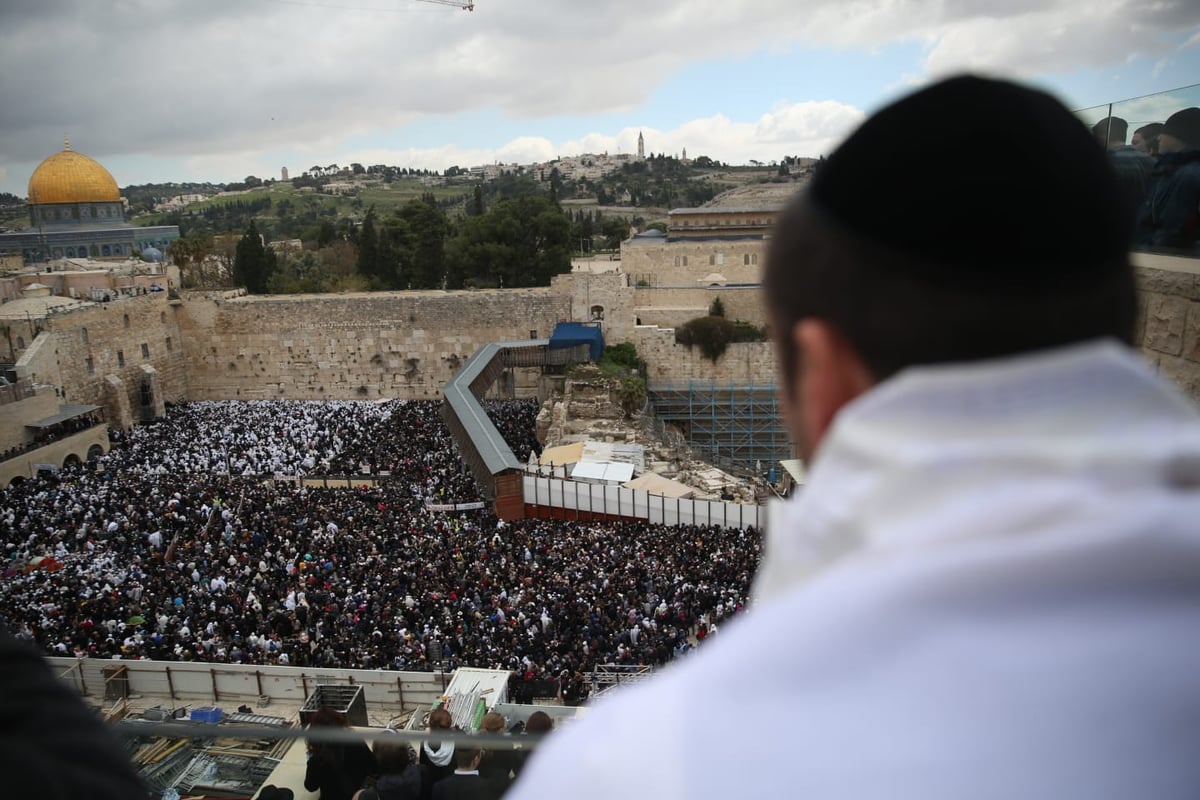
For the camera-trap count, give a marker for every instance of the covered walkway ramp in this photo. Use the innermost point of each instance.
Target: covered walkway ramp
(491, 460)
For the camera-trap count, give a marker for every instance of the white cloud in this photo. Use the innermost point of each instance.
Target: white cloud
(807, 129)
(231, 81)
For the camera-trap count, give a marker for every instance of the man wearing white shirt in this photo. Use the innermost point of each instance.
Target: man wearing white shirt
(990, 585)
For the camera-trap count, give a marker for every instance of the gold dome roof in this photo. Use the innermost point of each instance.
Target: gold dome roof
(70, 177)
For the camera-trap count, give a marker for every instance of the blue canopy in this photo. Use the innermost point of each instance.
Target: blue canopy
(572, 334)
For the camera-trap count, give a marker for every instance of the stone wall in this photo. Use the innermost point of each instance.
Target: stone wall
(743, 364)
(607, 293)
(663, 264)
(360, 346)
(672, 307)
(1168, 329)
(116, 339)
(38, 363)
(17, 415)
(407, 344)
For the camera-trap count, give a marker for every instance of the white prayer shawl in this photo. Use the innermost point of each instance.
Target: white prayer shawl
(989, 588)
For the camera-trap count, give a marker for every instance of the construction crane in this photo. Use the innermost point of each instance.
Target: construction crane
(455, 3)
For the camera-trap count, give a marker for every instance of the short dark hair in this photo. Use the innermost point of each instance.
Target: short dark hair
(895, 317)
(1150, 134)
(539, 722)
(463, 756)
(393, 757)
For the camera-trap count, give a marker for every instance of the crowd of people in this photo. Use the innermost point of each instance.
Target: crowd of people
(158, 550)
(1158, 174)
(516, 421)
(52, 433)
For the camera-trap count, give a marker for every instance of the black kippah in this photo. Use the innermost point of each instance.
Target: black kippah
(979, 180)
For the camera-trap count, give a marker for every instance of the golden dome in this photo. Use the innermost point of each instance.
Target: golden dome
(70, 177)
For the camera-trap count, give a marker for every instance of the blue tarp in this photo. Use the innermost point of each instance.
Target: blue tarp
(571, 334)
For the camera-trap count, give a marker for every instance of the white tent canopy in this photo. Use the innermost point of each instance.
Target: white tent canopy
(658, 485)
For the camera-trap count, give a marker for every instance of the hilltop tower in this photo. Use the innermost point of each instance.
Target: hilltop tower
(641, 147)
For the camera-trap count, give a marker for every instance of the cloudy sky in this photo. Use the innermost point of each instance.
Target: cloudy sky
(219, 89)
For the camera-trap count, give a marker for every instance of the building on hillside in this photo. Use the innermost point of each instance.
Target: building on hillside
(706, 246)
(731, 223)
(76, 211)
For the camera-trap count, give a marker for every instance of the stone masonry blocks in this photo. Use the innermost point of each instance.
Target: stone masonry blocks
(1166, 319)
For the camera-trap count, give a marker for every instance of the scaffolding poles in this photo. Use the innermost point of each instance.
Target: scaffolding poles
(734, 426)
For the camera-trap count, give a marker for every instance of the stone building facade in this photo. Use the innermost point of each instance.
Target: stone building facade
(109, 354)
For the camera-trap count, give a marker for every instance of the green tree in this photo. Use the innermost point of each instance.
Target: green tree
(368, 247)
(422, 248)
(717, 309)
(326, 234)
(252, 262)
(521, 241)
(631, 392)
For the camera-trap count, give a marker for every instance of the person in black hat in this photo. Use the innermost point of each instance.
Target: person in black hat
(1134, 168)
(1170, 218)
(1145, 138)
(988, 585)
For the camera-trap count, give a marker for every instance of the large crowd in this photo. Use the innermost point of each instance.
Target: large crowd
(173, 546)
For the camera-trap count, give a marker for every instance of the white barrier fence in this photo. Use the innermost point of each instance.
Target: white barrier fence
(233, 684)
(575, 499)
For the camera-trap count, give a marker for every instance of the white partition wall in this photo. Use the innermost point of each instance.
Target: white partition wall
(567, 499)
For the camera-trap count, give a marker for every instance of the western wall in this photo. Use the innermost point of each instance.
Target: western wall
(407, 344)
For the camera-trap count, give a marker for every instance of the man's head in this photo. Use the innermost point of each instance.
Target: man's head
(1145, 138)
(903, 252)
(539, 722)
(467, 758)
(1111, 132)
(1180, 132)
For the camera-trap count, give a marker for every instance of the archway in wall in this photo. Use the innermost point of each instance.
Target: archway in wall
(71, 460)
(95, 451)
(16, 481)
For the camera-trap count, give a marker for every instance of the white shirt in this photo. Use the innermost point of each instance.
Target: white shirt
(989, 588)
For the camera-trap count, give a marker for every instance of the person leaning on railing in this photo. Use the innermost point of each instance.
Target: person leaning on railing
(1170, 218)
(990, 584)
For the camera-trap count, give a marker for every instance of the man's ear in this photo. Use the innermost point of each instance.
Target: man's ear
(831, 375)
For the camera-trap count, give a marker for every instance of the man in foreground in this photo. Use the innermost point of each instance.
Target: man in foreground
(990, 586)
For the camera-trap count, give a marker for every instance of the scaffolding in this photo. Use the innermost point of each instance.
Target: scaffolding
(733, 427)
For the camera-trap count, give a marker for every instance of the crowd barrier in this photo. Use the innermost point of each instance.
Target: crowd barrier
(566, 499)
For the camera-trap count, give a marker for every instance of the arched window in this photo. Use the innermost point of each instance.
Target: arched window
(20, 342)
(597, 313)
(126, 320)
(106, 250)
(83, 335)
